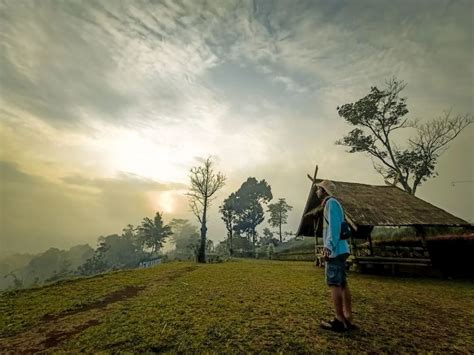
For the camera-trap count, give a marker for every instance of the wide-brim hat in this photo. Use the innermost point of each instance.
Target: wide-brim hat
(328, 186)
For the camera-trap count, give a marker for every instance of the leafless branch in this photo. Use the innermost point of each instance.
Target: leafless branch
(433, 137)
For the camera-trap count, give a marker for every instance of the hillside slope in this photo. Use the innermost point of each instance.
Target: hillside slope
(243, 306)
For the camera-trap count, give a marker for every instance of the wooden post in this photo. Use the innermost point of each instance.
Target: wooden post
(421, 233)
(354, 247)
(369, 236)
(315, 226)
(313, 179)
(315, 244)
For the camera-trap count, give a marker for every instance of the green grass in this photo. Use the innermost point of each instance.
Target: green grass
(238, 306)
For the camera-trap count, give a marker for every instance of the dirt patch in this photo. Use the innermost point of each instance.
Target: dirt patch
(45, 336)
(174, 275)
(55, 337)
(117, 296)
(55, 329)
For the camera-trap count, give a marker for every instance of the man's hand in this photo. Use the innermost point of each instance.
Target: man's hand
(326, 253)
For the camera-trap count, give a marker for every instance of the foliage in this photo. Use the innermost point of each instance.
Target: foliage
(49, 266)
(185, 238)
(17, 283)
(115, 252)
(279, 214)
(248, 206)
(97, 263)
(153, 233)
(267, 238)
(377, 115)
(242, 243)
(222, 248)
(251, 306)
(267, 233)
(229, 216)
(204, 185)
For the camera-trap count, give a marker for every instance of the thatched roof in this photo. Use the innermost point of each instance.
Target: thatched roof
(369, 205)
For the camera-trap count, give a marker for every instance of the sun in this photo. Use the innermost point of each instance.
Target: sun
(163, 201)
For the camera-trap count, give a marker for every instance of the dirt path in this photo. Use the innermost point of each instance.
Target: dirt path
(54, 329)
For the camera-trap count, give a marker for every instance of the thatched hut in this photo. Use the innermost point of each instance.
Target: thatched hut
(368, 206)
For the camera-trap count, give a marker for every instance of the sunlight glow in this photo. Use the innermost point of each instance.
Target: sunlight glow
(145, 153)
(162, 201)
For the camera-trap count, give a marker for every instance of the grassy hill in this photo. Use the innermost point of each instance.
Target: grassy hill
(238, 306)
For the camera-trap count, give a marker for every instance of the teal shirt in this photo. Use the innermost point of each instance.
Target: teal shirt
(333, 217)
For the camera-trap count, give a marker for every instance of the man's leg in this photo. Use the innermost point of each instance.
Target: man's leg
(337, 297)
(347, 302)
(333, 279)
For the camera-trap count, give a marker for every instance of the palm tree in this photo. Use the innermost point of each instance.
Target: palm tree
(154, 232)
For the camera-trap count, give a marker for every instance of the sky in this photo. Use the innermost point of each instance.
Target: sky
(107, 105)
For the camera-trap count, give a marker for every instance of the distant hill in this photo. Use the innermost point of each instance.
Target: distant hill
(36, 269)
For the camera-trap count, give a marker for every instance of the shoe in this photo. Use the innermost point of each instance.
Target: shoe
(335, 325)
(351, 326)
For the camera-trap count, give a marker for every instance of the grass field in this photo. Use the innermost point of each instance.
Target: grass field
(237, 306)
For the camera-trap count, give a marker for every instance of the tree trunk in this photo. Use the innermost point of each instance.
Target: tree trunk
(254, 233)
(202, 246)
(231, 249)
(281, 238)
(406, 187)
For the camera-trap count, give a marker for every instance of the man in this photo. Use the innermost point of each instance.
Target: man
(335, 253)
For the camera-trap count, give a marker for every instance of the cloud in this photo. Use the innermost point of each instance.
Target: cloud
(124, 179)
(37, 213)
(91, 90)
(79, 63)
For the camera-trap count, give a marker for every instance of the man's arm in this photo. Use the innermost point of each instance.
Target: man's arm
(334, 217)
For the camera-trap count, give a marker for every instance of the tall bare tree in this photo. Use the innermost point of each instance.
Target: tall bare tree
(204, 185)
(377, 115)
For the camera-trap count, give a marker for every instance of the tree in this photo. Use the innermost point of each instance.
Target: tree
(132, 235)
(129, 232)
(289, 234)
(248, 206)
(185, 237)
(229, 215)
(279, 214)
(153, 233)
(267, 234)
(209, 246)
(17, 282)
(241, 243)
(268, 238)
(222, 248)
(204, 185)
(97, 262)
(380, 113)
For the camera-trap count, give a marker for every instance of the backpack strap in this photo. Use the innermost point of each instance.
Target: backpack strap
(324, 206)
(326, 199)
